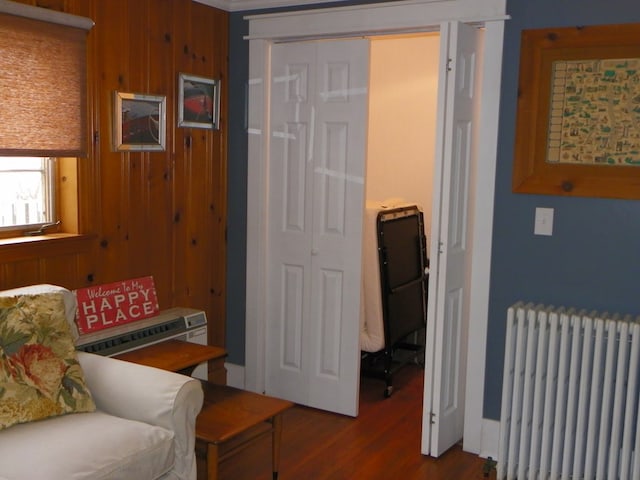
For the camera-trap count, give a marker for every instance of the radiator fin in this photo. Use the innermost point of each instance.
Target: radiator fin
(570, 395)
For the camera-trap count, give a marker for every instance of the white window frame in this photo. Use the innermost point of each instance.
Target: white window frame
(49, 169)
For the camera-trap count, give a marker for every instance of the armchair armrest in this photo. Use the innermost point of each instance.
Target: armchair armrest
(149, 395)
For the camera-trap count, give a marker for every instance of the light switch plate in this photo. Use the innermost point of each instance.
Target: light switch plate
(544, 221)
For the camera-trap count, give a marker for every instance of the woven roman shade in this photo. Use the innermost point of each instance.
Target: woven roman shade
(43, 71)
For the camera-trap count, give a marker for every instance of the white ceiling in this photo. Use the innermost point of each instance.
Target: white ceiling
(240, 5)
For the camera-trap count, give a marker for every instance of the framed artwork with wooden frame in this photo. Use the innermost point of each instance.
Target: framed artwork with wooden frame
(578, 116)
(139, 122)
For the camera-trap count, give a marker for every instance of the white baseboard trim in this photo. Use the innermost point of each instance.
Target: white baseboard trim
(490, 438)
(235, 375)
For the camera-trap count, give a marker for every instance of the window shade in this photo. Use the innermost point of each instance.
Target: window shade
(42, 84)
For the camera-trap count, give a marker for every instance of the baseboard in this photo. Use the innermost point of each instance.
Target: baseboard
(235, 375)
(490, 438)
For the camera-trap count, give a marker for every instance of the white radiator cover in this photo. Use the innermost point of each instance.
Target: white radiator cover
(570, 395)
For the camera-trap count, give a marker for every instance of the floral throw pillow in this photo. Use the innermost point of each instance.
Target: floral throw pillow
(40, 375)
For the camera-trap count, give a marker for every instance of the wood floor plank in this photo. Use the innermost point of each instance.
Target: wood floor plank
(382, 443)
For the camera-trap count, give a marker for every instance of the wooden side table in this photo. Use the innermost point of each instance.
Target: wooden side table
(230, 420)
(174, 355)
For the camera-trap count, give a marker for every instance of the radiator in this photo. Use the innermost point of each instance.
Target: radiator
(569, 395)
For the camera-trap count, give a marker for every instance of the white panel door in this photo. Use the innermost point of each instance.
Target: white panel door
(316, 197)
(447, 317)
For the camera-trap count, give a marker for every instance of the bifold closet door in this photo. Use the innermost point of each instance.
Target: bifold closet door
(316, 164)
(447, 310)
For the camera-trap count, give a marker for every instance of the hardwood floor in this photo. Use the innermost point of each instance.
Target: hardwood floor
(382, 443)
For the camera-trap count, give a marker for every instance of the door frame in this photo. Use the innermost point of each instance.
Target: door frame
(381, 18)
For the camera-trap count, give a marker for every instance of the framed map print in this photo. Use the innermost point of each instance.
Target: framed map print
(578, 117)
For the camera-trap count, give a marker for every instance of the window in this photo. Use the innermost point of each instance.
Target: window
(43, 118)
(27, 192)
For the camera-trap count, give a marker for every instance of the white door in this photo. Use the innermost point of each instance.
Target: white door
(318, 127)
(447, 316)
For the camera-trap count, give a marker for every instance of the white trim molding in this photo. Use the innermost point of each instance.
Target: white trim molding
(483, 236)
(473, 6)
(490, 439)
(235, 375)
(245, 5)
(45, 15)
(379, 18)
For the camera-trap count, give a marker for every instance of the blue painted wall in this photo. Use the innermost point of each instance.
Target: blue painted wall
(237, 189)
(593, 258)
(591, 261)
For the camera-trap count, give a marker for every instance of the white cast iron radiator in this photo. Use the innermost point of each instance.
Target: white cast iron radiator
(569, 395)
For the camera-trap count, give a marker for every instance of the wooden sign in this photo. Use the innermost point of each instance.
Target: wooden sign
(113, 304)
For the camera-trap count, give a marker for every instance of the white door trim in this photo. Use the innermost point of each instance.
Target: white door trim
(387, 17)
(424, 15)
(485, 175)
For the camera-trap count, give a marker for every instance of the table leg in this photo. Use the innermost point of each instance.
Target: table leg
(276, 436)
(212, 461)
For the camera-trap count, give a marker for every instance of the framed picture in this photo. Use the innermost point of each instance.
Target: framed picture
(139, 122)
(198, 102)
(578, 111)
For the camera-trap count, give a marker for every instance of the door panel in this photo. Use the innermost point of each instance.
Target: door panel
(448, 307)
(318, 122)
(290, 222)
(292, 319)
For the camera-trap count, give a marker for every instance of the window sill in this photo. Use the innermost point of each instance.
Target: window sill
(41, 246)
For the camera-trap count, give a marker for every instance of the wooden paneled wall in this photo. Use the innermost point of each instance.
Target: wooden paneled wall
(144, 213)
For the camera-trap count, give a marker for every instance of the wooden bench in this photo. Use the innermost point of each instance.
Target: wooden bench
(230, 420)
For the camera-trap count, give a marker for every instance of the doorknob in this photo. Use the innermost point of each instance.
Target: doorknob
(314, 251)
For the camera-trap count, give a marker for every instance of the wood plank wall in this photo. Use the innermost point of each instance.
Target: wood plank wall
(144, 213)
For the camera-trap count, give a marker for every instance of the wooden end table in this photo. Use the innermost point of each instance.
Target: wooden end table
(174, 355)
(230, 420)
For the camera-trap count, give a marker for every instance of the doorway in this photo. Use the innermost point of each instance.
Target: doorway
(329, 99)
(416, 16)
(403, 93)
(401, 146)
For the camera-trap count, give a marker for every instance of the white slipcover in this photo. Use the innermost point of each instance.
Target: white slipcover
(144, 426)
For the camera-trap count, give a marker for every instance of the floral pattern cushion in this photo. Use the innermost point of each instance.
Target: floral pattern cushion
(40, 375)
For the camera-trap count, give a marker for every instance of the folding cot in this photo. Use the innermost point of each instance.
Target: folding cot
(394, 293)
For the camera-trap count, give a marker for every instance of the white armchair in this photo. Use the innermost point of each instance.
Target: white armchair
(143, 428)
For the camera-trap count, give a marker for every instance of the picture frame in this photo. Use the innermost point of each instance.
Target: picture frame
(198, 102)
(577, 94)
(139, 122)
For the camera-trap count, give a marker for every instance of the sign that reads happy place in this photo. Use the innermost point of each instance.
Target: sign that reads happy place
(113, 304)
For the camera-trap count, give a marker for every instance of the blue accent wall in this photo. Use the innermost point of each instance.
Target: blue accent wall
(593, 258)
(237, 188)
